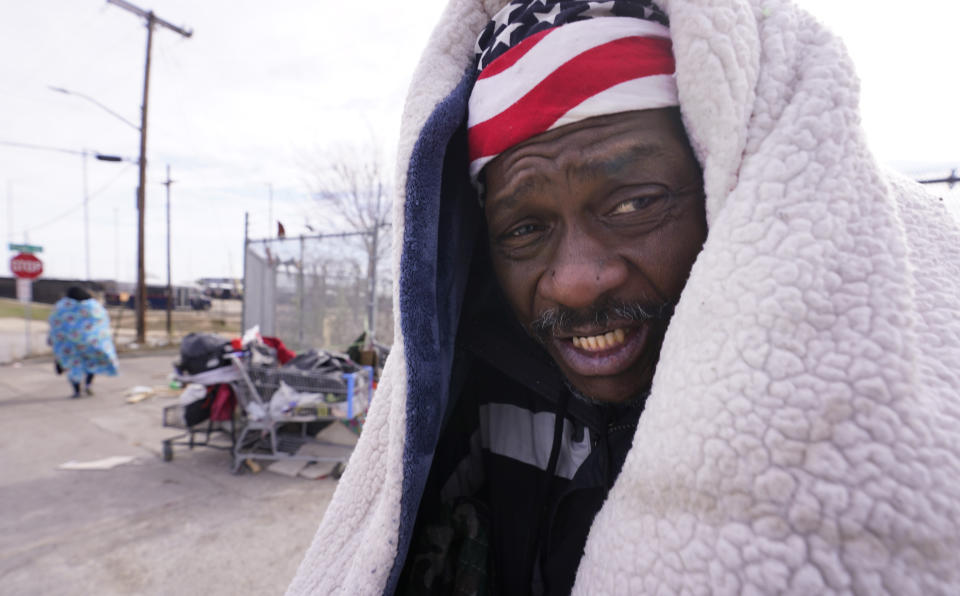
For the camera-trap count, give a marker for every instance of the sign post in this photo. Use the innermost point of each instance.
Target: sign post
(26, 268)
(24, 290)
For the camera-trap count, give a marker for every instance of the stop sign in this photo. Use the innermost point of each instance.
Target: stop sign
(26, 266)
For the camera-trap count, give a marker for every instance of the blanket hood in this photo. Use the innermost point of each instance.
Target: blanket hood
(802, 434)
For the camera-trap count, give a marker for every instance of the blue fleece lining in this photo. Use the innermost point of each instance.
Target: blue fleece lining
(431, 292)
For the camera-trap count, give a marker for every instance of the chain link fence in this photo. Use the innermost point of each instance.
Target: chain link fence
(314, 291)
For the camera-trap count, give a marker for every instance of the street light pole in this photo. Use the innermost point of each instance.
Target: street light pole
(96, 103)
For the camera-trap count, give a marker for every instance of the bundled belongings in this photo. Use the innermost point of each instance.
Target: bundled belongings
(200, 352)
(201, 403)
(287, 401)
(315, 382)
(314, 359)
(368, 353)
(284, 355)
(286, 406)
(198, 404)
(263, 350)
(195, 404)
(316, 370)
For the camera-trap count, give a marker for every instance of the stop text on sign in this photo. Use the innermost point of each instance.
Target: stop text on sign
(26, 266)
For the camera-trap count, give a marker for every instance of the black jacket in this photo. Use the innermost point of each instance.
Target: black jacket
(520, 471)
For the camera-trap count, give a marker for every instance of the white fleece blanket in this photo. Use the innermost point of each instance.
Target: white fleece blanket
(803, 431)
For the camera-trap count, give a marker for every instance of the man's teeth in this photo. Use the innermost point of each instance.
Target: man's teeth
(595, 343)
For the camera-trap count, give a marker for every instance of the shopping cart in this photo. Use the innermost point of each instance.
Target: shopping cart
(214, 434)
(284, 408)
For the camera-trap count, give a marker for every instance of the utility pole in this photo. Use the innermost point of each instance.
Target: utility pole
(167, 183)
(141, 299)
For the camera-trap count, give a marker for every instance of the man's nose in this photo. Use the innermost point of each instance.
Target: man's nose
(582, 270)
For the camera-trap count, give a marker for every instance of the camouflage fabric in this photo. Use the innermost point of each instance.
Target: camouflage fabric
(448, 554)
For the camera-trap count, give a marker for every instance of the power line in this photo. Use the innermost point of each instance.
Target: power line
(40, 147)
(95, 154)
(73, 209)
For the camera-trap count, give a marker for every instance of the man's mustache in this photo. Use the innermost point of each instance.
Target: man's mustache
(562, 320)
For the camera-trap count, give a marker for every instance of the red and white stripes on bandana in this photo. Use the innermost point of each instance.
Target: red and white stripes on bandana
(564, 74)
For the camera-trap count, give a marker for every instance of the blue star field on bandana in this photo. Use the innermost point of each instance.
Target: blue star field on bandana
(520, 19)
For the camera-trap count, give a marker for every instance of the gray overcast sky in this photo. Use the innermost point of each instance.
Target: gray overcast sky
(261, 86)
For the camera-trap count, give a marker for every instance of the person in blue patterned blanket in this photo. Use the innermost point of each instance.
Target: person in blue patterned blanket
(81, 340)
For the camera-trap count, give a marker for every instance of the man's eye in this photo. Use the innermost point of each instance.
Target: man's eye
(635, 204)
(522, 230)
(519, 240)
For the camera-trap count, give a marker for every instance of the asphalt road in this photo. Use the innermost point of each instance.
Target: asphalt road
(146, 527)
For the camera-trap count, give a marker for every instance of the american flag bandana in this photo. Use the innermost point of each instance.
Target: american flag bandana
(542, 64)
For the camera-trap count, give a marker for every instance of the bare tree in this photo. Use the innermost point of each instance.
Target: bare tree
(351, 183)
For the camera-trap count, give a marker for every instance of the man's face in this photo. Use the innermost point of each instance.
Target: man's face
(593, 228)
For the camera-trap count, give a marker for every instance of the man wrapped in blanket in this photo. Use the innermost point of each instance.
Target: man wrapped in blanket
(664, 324)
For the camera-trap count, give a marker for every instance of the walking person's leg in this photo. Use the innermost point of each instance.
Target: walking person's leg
(88, 382)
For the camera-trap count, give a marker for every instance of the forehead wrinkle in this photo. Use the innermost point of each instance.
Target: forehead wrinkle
(606, 156)
(531, 180)
(609, 163)
(530, 185)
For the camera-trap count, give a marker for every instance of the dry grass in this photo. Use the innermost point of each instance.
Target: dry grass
(223, 318)
(10, 308)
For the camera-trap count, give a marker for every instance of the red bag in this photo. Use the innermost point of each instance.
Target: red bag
(224, 403)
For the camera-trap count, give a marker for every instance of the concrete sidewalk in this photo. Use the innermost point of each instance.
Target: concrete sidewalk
(13, 339)
(146, 527)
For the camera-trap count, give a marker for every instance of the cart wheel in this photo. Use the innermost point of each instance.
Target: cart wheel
(167, 451)
(338, 470)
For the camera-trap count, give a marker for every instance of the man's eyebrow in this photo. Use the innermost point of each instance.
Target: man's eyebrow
(531, 184)
(605, 165)
(610, 164)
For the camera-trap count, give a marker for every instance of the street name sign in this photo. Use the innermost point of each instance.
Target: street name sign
(31, 248)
